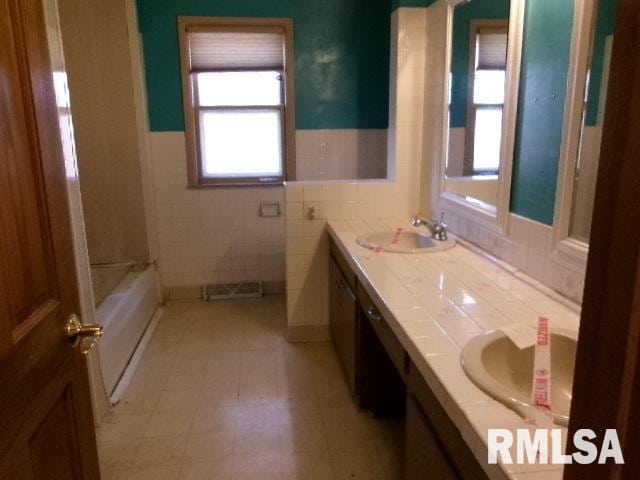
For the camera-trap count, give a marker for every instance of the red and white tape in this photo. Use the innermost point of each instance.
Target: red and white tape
(541, 387)
(394, 241)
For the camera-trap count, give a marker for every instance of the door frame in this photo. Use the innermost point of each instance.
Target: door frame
(606, 390)
(99, 398)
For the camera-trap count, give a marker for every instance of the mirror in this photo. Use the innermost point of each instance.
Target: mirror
(595, 80)
(478, 95)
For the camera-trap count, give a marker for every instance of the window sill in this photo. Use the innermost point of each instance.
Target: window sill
(231, 183)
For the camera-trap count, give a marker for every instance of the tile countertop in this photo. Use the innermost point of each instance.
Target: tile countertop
(436, 302)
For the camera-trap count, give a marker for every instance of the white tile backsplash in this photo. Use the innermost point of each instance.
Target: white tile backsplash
(527, 246)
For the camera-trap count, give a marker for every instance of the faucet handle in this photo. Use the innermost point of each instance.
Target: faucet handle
(440, 221)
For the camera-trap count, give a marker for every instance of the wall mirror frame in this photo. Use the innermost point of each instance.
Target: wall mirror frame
(568, 249)
(494, 219)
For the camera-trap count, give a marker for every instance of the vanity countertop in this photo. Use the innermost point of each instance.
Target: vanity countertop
(435, 303)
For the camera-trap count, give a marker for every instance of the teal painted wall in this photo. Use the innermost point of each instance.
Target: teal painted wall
(605, 24)
(341, 49)
(543, 88)
(411, 3)
(463, 14)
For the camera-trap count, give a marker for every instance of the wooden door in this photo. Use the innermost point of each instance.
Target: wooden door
(46, 425)
(606, 386)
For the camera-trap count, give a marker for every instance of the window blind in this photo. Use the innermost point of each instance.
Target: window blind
(491, 45)
(228, 50)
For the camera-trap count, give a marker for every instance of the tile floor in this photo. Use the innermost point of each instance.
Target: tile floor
(220, 394)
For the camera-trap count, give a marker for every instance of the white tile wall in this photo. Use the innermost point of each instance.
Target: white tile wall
(214, 234)
(527, 246)
(306, 239)
(341, 154)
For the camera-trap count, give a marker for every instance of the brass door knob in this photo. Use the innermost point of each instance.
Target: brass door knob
(83, 336)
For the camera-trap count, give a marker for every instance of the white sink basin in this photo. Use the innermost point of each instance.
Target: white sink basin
(496, 365)
(409, 242)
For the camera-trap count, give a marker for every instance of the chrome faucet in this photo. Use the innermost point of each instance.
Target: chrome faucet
(437, 227)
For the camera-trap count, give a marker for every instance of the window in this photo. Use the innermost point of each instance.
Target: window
(238, 91)
(487, 75)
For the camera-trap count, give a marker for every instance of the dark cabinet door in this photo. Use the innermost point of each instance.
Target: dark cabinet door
(343, 322)
(425, 458)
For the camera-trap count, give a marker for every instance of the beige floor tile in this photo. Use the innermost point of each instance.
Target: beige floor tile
(123, 426)
(164, 450)
(226, 343)
(291, 411)
(190, 363)
(392, 459)
(331, 385)
(258, 341)
(221, 418)
(209, 446)
(161, 363)
(321, 352)
(388, 432)
(296, 389)
(147, 382)
(307, 466)
(170, 472)
(338, 407)
(221, 395)
(184, 380)
(197, 346)
(257, 440)
(357, 464)
(140, 402)
(172, 400)
(256, 467)
(114, 473)
(170, 423)
(218, 393)
(210, 470)
(258, 391)
(217, 377)
(118, 454)
(263, 361)
(224, 362)
(303, 436)
(258, 415)
(163, 346)
(349, 433)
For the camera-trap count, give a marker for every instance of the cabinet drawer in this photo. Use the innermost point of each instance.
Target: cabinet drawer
(449, 437)
(342, 263)
(388, 339)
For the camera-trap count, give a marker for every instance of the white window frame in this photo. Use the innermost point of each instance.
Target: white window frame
(472, 107)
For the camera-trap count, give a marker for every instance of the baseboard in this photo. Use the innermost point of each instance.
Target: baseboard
(275, 287)
(195, 292)
(182, 293)
(308, 333)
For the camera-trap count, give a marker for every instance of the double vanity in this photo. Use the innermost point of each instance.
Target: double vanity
(417, 326)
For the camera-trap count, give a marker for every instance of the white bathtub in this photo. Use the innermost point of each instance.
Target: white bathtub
(125, 314)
